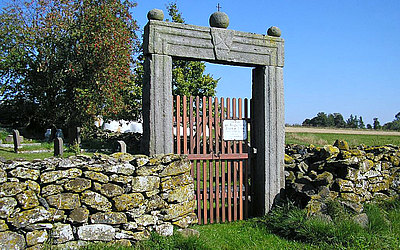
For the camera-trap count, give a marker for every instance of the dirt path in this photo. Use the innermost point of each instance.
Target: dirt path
(339, 131)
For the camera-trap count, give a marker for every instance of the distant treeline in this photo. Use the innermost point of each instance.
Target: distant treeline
(337, 120)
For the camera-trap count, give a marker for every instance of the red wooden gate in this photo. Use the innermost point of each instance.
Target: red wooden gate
(220, 168)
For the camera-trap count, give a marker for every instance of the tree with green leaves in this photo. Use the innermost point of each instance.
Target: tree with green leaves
(376, 124)
(339, 120)
(334, 120)
(65, 62)
(352, 122)
(393, 125)
(361, 123)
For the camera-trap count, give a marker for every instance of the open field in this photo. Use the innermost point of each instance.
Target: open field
(322, 136)
(339, 131)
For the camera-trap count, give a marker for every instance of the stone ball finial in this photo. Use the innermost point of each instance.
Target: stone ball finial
(274, 31)
(219, 20)
(155, 14)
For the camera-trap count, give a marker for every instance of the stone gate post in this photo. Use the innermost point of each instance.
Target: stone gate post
(268, 136)
(157, 105)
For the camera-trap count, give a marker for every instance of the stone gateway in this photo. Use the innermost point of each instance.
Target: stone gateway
(165, 41)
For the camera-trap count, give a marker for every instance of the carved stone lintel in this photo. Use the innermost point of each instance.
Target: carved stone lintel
(212, 44)
(222, 41)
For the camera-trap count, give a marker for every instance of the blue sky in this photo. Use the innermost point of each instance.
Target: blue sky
(340, 55)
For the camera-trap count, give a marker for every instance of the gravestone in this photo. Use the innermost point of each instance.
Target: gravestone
(59, 133)
(74, 135)
(9, 139)
(58, 146)
(121, 146)
(17, 140)
(47, 135)
(164, 41)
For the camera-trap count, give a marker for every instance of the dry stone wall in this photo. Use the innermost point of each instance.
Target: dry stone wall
(70, 202)
(352, 176)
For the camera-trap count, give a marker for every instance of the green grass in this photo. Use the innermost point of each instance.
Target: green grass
(353, 140)
(248, 234)
(288, 227)
(8, 153)
(3, 134)
(382, 232)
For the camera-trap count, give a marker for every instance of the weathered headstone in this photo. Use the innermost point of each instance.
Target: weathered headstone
(59, 133)
(9, 138)
(122, 146)
(58, 146)
(47, 135)
(74, 135)
(17, 140)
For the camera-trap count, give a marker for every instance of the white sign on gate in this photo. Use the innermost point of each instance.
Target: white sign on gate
(234, 130)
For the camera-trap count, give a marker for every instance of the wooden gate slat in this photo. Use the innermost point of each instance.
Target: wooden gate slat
(178, 124)
(210, 126)
(240, 166)
(217, 189)
(205, 204)
(184, 121)
(217, 192)
(216, 125)
(210, 187)
(229, 150)
(246, 176)
(198, 191)
(235, 166)
(220, 168)
(204, 127)
(223, 171)
(210, 162)
(191, 117)
(198, 127)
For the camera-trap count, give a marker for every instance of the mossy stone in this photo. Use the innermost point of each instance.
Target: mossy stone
(155, 14)
(66, 201)
(95, 176)
(111, 218)
(128, 201)
(111, 190)
(342, 145)
(12, 240)
(177, 210)
(288, 159)
(79, 215)
(78, 185)
(28, 199)
(219, 20)
(96, 201)
(36, 237)
(274, 31)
